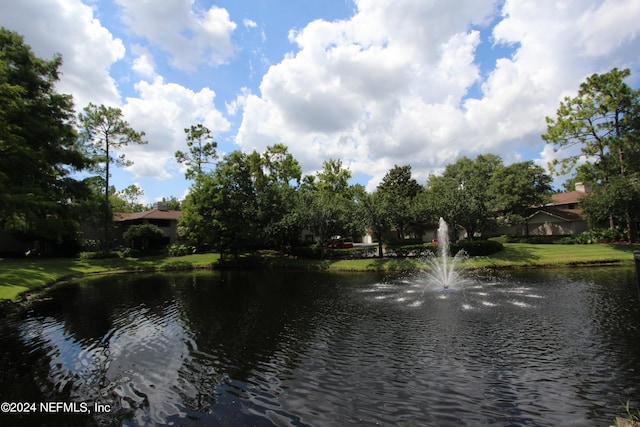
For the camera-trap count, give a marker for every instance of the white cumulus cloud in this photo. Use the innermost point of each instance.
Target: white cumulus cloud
(69, 27)
(393, 84)
(191, 36)
(163, 110)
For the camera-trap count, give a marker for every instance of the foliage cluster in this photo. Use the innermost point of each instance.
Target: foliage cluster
(180, 249)
(531, 239)
(406, 251)
(143, 236)
(260, 200)
(470, 247)
(478, 247)
(38, 150)
(603, 122)
(630, 414)
(43, 143)
(598, 235)
(98, 254)
(595, 235)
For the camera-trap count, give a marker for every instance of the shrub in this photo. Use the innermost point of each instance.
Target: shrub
(129, 253)
(501, 239)
(143, 236)
(91, 245)
(478, 247)
(358, 253)
(405, 251)
(348, 253)
(309, 252)
(509, 238)
(542, 240)
(566, 240)
(176, 250)
(598, 235)
(97, 255)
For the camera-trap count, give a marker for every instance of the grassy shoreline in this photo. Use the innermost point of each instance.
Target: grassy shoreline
(22, 276)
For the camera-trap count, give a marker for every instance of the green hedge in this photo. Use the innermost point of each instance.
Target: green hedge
(600, 235)
(472, 248)
(541, 240)
(405, 251)
(477, 247)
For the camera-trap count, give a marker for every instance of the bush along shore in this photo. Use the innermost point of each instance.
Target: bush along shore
(19, 277)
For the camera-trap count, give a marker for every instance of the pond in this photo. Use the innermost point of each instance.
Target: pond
(294, 348)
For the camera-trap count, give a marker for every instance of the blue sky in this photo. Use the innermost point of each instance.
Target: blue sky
(374, 83)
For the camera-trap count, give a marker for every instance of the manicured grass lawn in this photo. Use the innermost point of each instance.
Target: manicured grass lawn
(528, 255)
(20, 275)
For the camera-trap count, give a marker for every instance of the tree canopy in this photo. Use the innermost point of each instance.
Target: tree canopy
(38, 147)
(462, 195)
(202, 150)
(399, 192)
(601, 124)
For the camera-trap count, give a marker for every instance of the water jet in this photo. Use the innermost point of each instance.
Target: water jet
(442, 270)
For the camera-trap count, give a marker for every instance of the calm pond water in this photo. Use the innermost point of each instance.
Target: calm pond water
(536, 348)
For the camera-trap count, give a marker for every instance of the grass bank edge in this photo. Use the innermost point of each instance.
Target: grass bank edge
(21, 276)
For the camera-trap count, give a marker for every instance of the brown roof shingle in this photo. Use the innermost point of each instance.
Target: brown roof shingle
(152, 214)
(565, 214)
(568, 197)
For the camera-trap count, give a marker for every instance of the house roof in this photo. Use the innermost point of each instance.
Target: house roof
(563, 214)
(152, 214)
(568, 197)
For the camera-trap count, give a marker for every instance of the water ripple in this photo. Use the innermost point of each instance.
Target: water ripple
(513, 352)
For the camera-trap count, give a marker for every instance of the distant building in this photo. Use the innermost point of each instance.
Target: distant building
(160, 216)
(563, 216)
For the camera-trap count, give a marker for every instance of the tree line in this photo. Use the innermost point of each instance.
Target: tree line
(251, 200)
(259, 200)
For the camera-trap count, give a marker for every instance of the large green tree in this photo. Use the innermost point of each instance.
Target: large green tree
(234, 204)
(462, 195)
(277, 177)
(517, 187)
(602, 125)
(103, 130)
(127, 199)
(38, 148)
(375, 209)
(246, 201)
(196, 223)
(327, 202)
(399, 191)
(221, 208)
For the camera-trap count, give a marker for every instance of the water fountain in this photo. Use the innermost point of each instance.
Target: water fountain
(442, 268)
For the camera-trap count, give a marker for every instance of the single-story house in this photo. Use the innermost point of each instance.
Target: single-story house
(563, 216)
(548, 221)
